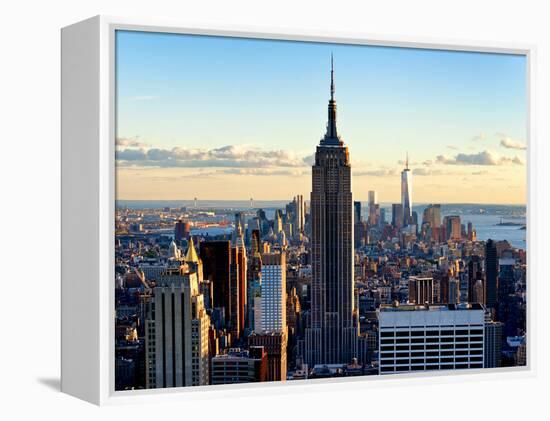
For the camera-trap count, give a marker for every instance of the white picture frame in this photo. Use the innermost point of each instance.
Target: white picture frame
(88, 187)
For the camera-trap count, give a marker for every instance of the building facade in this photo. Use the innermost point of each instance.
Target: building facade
(421, 290)
(332, 334)
(216, 263)
(240, 366)
(430, 337)
(273, 293)
(176, 332)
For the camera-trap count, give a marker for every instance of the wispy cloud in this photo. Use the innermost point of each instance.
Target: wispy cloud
(480, 158)
(453, 147)
(509, 143)
(230, 156)
(130, 142)
(479, 136)
(432, 172)
(380, 172)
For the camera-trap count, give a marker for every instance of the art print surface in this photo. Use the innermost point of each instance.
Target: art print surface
(263, 235)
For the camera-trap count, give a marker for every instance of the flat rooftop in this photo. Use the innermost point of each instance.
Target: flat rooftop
(430, 307)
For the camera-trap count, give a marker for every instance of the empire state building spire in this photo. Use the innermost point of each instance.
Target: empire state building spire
(332, 335)
(331, 136)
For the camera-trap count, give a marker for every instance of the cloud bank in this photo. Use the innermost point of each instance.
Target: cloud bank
(230, 156)
(480, 158)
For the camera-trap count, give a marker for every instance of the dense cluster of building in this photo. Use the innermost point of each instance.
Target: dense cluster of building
(314, 290)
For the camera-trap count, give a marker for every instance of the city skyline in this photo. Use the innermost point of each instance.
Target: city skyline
(318, 290)
(464, 119)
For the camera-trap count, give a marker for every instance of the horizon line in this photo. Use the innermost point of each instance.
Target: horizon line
(290, 199)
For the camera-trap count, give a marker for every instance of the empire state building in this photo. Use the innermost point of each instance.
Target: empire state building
(331, 337)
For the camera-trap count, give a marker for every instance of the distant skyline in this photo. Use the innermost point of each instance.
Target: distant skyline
(231, 118)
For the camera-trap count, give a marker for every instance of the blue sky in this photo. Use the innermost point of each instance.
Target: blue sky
(451, 110)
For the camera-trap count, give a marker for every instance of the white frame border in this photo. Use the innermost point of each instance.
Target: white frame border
(107, 27)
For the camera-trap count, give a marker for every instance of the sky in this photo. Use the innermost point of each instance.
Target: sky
(222, 118)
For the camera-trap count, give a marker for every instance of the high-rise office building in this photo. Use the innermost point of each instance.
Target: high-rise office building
(491, 274)
(358, 229)
(275, 344)
(432, 337)
(397, 215)
(238, 284)
(506, 306)
(493, 344)
(373, 198)
(273, 293)
(299, 215)
(453, 227)
(254, 278)
(432, 216)
(216, 261)
(421, 290)
(357, 212)
(406, 193)
(182, 231)
(454, 291)
(332, 335)
(475, 273)
(176, 332)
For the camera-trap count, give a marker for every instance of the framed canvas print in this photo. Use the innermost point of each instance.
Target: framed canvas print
(245, 210)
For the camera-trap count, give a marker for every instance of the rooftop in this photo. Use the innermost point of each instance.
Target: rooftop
(431, 307)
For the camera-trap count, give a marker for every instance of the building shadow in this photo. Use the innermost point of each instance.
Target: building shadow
(53, 383)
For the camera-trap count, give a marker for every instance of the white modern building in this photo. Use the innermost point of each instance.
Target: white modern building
(272, 308)
(430, 337)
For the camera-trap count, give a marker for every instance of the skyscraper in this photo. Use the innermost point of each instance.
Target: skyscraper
(406, 193)
(216, 260)
(332, 335)
(397, 215)
(421, 290)
(374, 209)
(475, 273)
(453, 227)
(273, 295)
(373, 200)
(238, 285)
(493, 344)
(182, 230)
(358, 230)
(357, 212)
(491, 273)
(299, 216)
(176, 332)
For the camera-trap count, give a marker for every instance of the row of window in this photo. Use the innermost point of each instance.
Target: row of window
(443, 332)
(435, 367)
(431, 360)
(473, 345)
(430, 339)
(430, 353)
(406, 349)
